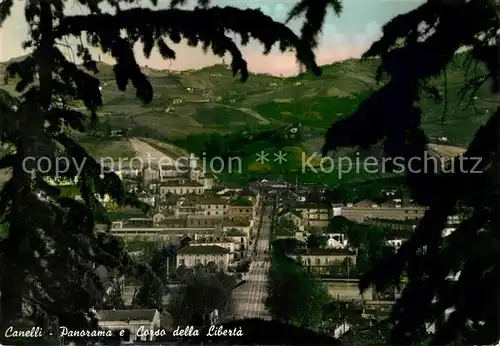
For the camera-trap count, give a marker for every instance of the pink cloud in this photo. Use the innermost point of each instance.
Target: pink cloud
(275, 63)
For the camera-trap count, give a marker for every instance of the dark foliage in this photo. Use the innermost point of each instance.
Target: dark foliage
(414, 48)
(203, 290)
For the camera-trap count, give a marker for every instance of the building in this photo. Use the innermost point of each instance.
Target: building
(321, 260)
(217, 241)
(194, 255)
(290, 234)
(160, 228)
(213, 205)
(179, 187)
(131, 320)
(336, 240)
(316, 214)
(240, 240)
(363, 210)
(243, 225)
(397, 225)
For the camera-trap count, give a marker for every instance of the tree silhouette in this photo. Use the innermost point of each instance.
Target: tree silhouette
(416, 47)
(51, 247)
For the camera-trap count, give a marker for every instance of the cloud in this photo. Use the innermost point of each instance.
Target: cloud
(280, 12)
(373, 31)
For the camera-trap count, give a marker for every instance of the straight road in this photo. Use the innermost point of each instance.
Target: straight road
(250, 296)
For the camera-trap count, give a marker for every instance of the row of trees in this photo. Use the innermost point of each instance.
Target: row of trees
(51, 248)
(369, 240)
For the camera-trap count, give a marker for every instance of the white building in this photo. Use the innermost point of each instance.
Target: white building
(213, 206)
(336, 240)
(395, 243)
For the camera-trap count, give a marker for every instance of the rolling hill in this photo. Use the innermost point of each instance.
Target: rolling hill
(211, 100)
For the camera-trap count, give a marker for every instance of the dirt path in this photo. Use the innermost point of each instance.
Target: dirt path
(251, 112)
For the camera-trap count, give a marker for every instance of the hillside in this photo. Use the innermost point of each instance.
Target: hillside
(211, 100)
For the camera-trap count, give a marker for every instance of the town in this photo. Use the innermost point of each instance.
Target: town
(232, 231)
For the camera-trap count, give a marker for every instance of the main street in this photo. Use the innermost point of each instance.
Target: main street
(250, 296)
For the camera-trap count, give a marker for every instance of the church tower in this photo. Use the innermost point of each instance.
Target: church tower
(193, 172)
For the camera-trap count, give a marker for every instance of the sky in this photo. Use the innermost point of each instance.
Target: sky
(347, 36)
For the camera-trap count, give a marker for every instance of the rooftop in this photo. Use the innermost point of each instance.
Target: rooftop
(325, 252)
(209, 240)
(203, 250)
(171, 200)
(293, 212)
(180, 222)
(127, 315)
(309, 205)
(205, 217)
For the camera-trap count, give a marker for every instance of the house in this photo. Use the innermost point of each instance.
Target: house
(321, 260)
(163, 228)
(181, 168)
(181, 187)
(336, 240)
(294, 216)
(240, 240)
(187, 206)
(363, 210)
(194, 255)
(242, 208)
(202, 221)
(241, 224)
(216, 241)
(397, 225)
(213, 205)
(132, 320)
(316, 214)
